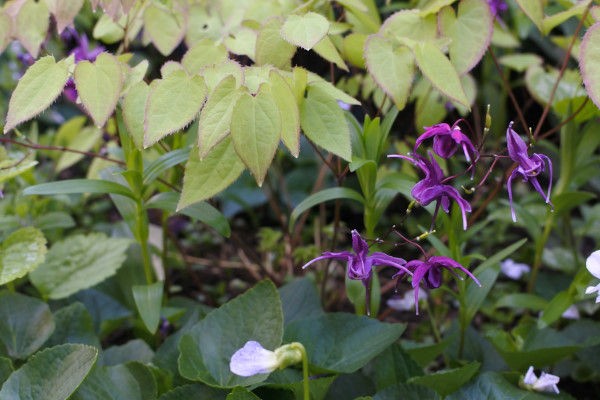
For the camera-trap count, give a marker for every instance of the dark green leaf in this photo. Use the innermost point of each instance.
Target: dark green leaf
(447, 381)
(300, 300)
(323, 196)
(73, 186)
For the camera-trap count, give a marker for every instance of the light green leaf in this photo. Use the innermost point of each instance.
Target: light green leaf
(305, 30)
(256, 130)
(241, 41)
(21, 252)
(31, 25)
(534, 9)
(470, 31)
(322, 121)
(148, 300)
(84, 140)
(433, 6)
(254, 77)
(5, 28)
(326, 49)
(353, 49)
(37, 89)
(73, 186)
(15, 164)
(315, 80)
(550, 22)
(271, 49)
(522, 300)
(107, 30)
(215, 118)
(447, 381)
(203, 53)
(26, 324)
(288, 112)
(165, 27)
(99, 86)
(521, 61)
(206, 350)
(78, 262)
(134, 108)
(205, 178)
(215, 74)
(408, 24)
(133, 75)
(172, 103)
(52, 374)
(589, 62)
(323, 196)
(439, 71)
(392, 67)
(64, 12)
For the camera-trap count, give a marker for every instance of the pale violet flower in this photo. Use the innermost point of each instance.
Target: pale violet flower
(571, 313)
(545, 383)
(253, 359)
(514, 270)
(344, 106)
(406, 302)
(593, 265)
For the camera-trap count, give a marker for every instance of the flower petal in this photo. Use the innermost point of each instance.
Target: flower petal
(253, 359)
(593, 263)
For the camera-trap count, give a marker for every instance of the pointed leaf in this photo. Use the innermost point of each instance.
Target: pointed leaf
(64, 12)
(134, 108)
(165, 27)
(163, 163)
(322, 196)
(172, 104)
(31, 25)
(577, 9)
(305, 30)
(589, 62)
(79, 262)
(323, 122)
(148, 300)
(205, 178)
(534, 9)
(288, 112)
(256, 130)
(447, 381)
(326, 49)
(271, 49)
(99, 86)
(72, 186)
(21, 252)
(37, 89)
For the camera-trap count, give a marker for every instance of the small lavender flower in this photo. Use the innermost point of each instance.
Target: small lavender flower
(446, 141)
(497, 6)
(406, 302)
(593, 266)
(430, 272)
(545, 383)
(253, 359)
(360, 263)
(431, 187)
(528, 167)
(514, 270)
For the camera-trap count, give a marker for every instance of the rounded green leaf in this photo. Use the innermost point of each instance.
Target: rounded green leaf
(470, 30)
(53, 374)
(78, 262)
(207, 177)
(21, 252)
(37, 89)
(392, 67)
(305, 30)
(173, 102)
(288, 112)
(203, 53)
(271, 49)
(31, 25)
(256, 130)
(165, 27)
(408, 24)
(589, 61)
(99, 86)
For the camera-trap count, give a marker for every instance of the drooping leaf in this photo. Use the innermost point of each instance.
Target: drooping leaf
(589, 62)
(26, 324)
(52, 374)
(148, 299)
(37, 89)
(271, 49)
(256, 130)
(31, 25)
(78, 262)
(205, 178)
(326, 49)
(322, 196)
(172, 103)
(134, 108)
(165, 26)
(288, 112)
(71, 186)
(21, 252)
(99, 86)
(305, 30)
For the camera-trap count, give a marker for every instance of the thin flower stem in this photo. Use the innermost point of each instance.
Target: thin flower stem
(305, 379)
(539, 249)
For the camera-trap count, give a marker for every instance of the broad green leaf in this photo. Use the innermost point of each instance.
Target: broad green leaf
(288, 112)
(26, 324)
(64, 12)
(271, 49)
(256, 130)
(336, 342)
(134, 108)
(173, 102)
(52, 374)
(434, 6)
(72, 186)
(148, 299)
(74, 324)
(135, 350)
(241, 41)
(424, 354)
(408, 24)
(215, 118)
(133, 75)
(326, 49)
(203, 53)
(255, 77)
(555, 308)
(540, 83)
(215, 74)
(439, 71)
(107, 30)
(447, 381)
(37, 89)
(194, 391)
(353, 49)
(31, 25)
(165, 26)
(200, 211)
(300, 300)
(240, 393)
(394, 366)
(323, 122)
(78, 262)
(6, 368)
(99, 86)
(163, 163)
(205, 178)
(550, 22)
(83, 141)
(131, 381)
(316, 81)
(405, 391)
(470, 30)
(392, 67)
(534, 9)
(520, 62)
(323, 196)
(589, 62)
(521, 300)
(5, 27)
(208, 347)
(21, 252)
(305, 30)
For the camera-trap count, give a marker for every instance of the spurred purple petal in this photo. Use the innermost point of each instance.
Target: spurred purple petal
(342, 255)
(510, 198)
(450, 263)
(517, 149)
(432, 131)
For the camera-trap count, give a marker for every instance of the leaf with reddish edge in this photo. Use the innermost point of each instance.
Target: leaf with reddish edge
(589, 62)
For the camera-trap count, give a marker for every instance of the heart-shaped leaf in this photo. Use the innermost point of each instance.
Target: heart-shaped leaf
(305, 30)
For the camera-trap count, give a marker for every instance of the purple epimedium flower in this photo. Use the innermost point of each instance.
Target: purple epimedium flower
(360, 263)
(528, 167)
(497, 6)
(446, 141)
(430, 272)
(431, 187)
